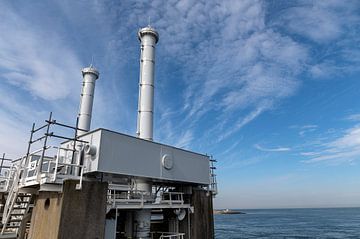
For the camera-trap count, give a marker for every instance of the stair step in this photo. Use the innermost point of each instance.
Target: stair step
(17, 214)
(24, 195)
(9, 235)
(12, 226)
(15, 220)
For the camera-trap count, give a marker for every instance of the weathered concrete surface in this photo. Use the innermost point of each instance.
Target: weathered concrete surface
(45, 218)
(73, 214)
(202, 220)
(83, 211)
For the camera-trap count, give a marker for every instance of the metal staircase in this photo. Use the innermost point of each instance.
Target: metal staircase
(17, 209)
(35, 171)
(18, 214)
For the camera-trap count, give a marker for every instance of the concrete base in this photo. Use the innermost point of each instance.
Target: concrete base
(71, 214)
(202, 220)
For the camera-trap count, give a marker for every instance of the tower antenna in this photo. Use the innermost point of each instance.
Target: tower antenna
(92, 61)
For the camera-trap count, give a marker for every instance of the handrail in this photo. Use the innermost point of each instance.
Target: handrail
(168, 235)
(179, 197)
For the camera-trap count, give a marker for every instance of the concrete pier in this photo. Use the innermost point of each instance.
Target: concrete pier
(72, 214)
(202, 219)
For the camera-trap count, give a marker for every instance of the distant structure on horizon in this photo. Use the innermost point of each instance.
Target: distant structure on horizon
(103, 184)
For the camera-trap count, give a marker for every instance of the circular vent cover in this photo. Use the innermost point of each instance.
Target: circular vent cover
(167, 161)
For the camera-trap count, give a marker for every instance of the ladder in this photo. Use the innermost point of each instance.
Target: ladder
(213, 182)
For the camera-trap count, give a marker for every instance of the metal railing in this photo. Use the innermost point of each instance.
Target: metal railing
(129, 197)
(172, 198)
(6, 174)
(52, 169)
(116, 198)
(42, 165)
(6, 179)
(167, 235)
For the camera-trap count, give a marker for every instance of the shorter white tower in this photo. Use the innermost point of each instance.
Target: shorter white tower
(90, 74)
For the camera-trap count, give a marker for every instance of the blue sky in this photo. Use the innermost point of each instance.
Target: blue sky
(269, 88)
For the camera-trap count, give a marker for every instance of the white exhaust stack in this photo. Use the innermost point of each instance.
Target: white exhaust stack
(90, 74)
(148, 37)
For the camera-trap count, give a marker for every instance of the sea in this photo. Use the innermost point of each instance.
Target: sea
(289, 223)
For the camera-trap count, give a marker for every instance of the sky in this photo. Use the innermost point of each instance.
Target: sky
(269, 88)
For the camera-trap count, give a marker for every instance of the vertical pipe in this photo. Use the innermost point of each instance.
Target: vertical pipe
(2, 161)
(41, 160)
(148, 37)
(90, 74)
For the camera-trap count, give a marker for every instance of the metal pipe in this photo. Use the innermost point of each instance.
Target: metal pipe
(2, 161)
(148, 37)
(90, 74)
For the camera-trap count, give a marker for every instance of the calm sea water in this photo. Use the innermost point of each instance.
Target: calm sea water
(290, 223)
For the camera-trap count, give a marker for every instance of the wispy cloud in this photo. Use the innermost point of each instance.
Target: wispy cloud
(319, 20)
(307, 129)
(244, 121)
(345, 148)
(353, 117)
(230, 62)
(220, 65)
(36, 61)
(304, 129)
(39, 72)
(184, 140)
(277, 149)
(323, 23)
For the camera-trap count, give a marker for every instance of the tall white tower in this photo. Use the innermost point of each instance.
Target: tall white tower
(148, 37)
(90, 74)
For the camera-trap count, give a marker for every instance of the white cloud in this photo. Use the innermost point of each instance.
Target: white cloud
(277, 149)
(184, 140)
(231, 61)
(306, 129)
(350, 140)
(329, 24)
(353, 117)
(245, 120)
(309, 153)
(345, 148)
(39, 72)
(36, 60)
(321, 21)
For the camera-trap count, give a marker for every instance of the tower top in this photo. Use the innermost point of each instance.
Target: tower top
(91, 70)
(148, 31)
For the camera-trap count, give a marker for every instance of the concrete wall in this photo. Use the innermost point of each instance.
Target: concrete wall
(72, 214)
(46, 216)
(83, 211)
(202, 220)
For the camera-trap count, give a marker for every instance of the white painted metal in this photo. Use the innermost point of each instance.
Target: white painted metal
(90, 74)
(148, 37)
(120, 154)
